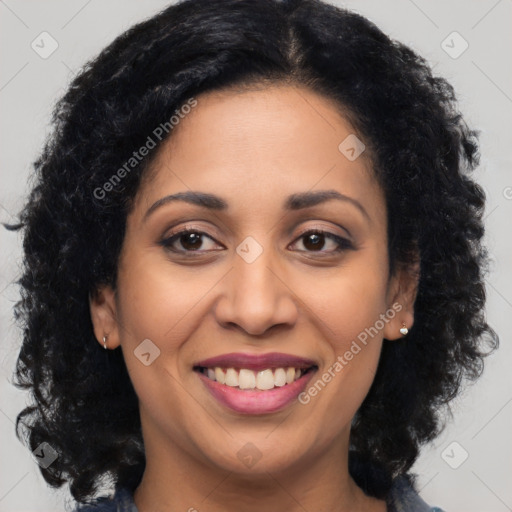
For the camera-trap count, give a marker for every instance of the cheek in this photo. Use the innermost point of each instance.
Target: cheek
(349, 317)
(155, 309)
(347, 307)
(165, 304)
(158, 299)
(348, 301)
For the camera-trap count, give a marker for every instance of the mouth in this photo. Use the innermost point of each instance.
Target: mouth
(255, 384)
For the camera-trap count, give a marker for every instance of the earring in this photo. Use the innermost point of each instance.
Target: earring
(105, 342)
(403, 329)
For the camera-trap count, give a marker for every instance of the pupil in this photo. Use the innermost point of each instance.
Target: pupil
(191, 241)
(316, 241)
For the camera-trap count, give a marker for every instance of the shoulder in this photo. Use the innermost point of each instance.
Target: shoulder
(403, 498)
(121, 501)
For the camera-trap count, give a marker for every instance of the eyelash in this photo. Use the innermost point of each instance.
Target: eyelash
(343, 243)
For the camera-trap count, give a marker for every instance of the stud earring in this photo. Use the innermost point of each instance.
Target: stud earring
(403, 329)
(105, 342)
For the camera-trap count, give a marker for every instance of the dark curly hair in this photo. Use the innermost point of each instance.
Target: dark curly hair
(422, 153)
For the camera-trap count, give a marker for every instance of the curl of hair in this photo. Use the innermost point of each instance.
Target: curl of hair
(84, 404)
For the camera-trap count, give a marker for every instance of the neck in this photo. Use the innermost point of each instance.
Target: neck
(175, 480)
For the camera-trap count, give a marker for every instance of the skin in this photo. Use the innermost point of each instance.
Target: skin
(253, 148)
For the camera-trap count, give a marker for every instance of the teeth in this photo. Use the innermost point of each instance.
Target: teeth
(231, 378)
(265, 380)
(220, 376)
(280, 377)
(248, 379)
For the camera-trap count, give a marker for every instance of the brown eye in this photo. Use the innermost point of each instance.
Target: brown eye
(322, 242)
(189, 241)
(314, 241)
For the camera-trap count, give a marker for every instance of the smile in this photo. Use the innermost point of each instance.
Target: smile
(255, 384)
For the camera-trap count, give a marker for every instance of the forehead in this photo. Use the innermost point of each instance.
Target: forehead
(258, 143)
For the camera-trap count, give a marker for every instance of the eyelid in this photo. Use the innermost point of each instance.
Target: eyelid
(187, 226)
(325, 230)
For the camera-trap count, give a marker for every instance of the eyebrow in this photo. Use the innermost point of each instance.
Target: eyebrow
(198, 198)
(297, 201)
(308, 199)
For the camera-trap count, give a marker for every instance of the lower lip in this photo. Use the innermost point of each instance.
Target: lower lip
(256, 402)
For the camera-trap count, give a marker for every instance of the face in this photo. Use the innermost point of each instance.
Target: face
(255, 255)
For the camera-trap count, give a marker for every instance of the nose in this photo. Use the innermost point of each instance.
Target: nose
(255, 297)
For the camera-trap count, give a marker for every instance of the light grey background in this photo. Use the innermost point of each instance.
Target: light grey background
(29, 86)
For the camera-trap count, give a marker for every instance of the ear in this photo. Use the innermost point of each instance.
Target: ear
(402, 291)
(102, 305)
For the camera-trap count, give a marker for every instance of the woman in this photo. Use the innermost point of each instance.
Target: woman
(253, 265)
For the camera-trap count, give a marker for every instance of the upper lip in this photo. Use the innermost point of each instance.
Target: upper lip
(256, 362)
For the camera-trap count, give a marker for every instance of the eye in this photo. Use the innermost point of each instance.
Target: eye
(316, 240)
(321, 241)
(189, 240)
